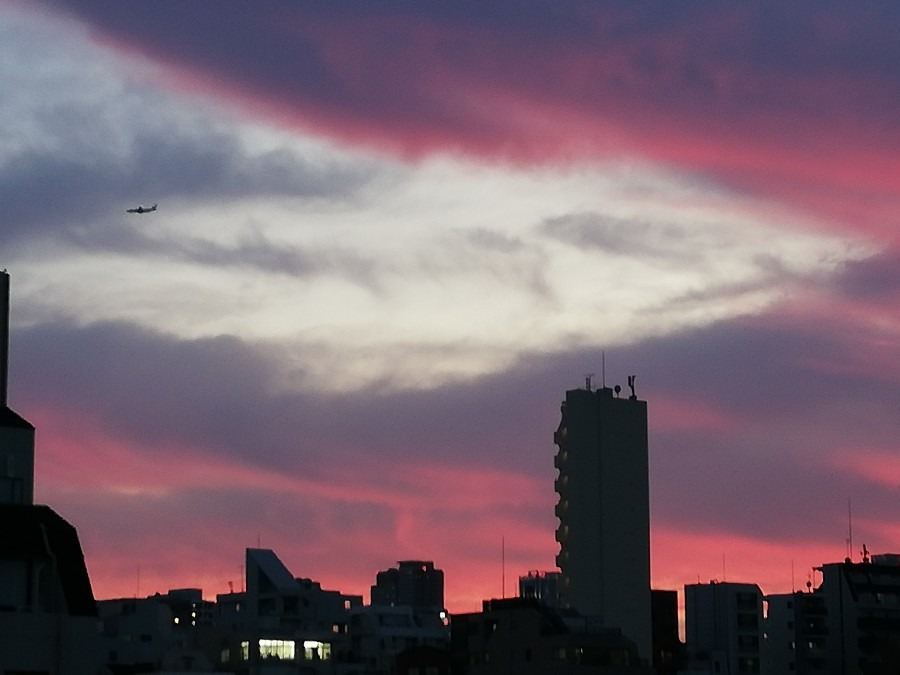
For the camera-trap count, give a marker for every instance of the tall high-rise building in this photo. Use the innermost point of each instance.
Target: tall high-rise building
(48, 618)
(16, 433)
(604, 510)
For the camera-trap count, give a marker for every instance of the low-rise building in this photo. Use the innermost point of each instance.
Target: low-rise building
(724, 628)
(522, 636)
(281, 623)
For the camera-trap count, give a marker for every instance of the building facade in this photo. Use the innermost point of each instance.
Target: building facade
(16, 433)
(281, 623)
(604, 510)
(521, 636)
(849, 624)
(417, 583)
(862, 615)
(796, 634)
(724, 627)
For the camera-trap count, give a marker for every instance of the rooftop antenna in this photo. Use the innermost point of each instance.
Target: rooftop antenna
(588, 377)
(503, 566)
(603, 368)
(849, 532)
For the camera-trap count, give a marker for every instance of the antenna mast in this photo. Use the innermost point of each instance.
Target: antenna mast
(603, 368)
(503, 565)
(849, 531)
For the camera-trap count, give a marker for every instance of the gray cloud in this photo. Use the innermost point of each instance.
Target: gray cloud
(767, 475)
(874, 278)
(626, 237)
(48, 190)
(253, 249)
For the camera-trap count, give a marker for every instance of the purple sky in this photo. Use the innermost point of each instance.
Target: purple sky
(391, 235)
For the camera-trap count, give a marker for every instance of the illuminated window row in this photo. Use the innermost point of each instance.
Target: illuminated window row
(285, 650)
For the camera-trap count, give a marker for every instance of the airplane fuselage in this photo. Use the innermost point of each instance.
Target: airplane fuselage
(141, 209)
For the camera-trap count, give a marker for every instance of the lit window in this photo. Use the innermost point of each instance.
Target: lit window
(313, 649)
(276, 649)
(245, 650)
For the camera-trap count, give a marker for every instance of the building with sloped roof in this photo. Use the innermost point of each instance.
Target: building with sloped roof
(281, 621)
(48, 617)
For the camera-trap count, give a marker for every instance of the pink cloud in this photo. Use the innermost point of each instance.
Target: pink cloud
(881, 466)
(155, 518)
(724, 90)
(681, 413)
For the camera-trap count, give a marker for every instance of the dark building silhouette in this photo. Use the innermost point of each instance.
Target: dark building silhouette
(604, 510)
(724, 627)
(849, 624)
(520, 636)
(668, 650)
(417, 583)
(541, 586)
(48, 617)
(797, 634)
(280, 619)
(423, 661)
(16, 433)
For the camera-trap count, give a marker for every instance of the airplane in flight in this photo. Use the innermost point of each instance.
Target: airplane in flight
(141, 209)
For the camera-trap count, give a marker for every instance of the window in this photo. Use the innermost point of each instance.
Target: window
(276, 649)
(315, 650)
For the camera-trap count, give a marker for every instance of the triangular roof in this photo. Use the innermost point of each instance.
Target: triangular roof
(8, 418)
(272, 568)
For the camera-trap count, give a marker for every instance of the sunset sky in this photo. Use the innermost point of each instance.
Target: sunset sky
(391, 235)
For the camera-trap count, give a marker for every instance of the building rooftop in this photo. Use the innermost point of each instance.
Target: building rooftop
(10, 419)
